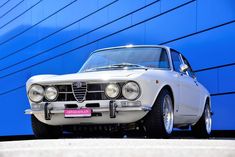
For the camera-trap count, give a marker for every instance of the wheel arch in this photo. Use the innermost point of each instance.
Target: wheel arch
(168, 88)
(153, 121)
(207, 100)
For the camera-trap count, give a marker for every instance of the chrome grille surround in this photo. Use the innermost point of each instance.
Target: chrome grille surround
(79, 91)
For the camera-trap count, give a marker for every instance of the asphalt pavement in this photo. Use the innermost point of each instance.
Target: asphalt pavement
(106, 147)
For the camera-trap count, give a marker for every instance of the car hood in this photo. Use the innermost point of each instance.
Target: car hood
(88, 76)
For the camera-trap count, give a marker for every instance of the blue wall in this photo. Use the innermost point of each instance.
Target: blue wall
(57, 36)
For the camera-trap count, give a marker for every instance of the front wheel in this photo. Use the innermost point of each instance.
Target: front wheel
(159, 121)
(202, 129)
(42, 130)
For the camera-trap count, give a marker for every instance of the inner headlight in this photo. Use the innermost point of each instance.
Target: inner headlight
(112, 90)
(131, 90)
(36, 93)
(51, 93)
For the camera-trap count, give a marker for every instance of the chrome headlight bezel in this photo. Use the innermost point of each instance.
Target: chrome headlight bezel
(125, 86)
(40, 94)
(55, 96)
(118, 89)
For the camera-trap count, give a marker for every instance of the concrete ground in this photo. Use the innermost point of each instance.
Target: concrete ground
(106, 147)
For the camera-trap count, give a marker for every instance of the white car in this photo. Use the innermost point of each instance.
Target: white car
(130, 87)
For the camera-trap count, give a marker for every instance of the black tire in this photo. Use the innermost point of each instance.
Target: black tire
(154, 121)
(199, 129)
(44, 131)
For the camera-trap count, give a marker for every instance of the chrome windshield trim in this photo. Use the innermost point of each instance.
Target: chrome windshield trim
(132, 46)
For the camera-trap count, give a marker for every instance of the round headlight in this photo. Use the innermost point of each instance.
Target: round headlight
(112, 90)
(131, 90)
(51, 93)
(36, 93)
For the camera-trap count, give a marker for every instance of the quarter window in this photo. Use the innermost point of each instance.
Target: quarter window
(176, 60)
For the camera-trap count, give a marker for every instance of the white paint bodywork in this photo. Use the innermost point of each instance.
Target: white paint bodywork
(189, 96)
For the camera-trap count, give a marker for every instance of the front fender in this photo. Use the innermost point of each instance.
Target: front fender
(154, 81)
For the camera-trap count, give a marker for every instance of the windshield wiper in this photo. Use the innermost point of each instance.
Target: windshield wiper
(98, 68)
(121, 65)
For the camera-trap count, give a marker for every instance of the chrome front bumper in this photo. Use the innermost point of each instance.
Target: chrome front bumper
(30, 111)
(112, 109)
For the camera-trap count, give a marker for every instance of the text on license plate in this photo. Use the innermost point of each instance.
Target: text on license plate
(83, 112)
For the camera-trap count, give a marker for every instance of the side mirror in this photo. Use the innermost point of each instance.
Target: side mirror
(183, 67)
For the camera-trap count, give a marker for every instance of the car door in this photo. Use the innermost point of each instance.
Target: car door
(189, 90)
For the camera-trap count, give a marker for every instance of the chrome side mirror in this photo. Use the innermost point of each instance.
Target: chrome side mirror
(183, 67)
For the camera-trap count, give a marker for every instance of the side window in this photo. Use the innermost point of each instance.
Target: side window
(176, 60)
(190, 71)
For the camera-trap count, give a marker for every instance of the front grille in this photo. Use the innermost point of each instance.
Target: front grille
(95, 91)
(79, 90)
(65, 93)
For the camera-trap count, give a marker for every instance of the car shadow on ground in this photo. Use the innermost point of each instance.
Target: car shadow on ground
(129, 135)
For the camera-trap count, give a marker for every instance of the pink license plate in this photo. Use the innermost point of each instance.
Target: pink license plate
(83, 112)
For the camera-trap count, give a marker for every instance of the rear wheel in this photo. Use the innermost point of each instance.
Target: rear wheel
(42, 130)
(159, 121)
(202, 128)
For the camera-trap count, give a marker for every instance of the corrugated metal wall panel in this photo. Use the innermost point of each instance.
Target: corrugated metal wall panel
(49, 36)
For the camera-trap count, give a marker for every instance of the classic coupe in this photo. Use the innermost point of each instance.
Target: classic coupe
(144, 87)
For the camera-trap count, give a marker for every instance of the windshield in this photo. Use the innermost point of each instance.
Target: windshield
(127, 58)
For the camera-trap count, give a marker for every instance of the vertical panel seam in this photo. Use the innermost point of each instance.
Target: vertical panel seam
(196, 14)
(218, 81)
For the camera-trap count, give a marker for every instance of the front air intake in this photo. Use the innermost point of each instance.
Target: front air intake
(79, 90)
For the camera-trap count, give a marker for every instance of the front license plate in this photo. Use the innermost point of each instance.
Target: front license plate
(83, 112)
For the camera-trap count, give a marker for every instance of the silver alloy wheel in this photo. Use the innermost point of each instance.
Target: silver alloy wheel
(168, 115)
(208, 119)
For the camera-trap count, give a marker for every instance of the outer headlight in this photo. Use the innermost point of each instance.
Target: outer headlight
(51, 93)
(36, 93)
(131, 90)
(112, 90)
